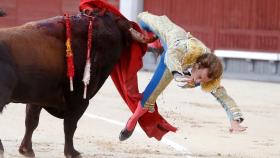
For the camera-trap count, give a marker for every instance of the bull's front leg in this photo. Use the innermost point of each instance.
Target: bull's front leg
(70, 125)
(31, 123)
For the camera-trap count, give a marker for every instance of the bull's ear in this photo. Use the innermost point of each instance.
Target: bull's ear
(2, 13)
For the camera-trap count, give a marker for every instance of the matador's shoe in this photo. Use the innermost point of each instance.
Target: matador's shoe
(125, 134)
(131, 123)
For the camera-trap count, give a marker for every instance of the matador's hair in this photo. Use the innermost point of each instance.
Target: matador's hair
(213, 63)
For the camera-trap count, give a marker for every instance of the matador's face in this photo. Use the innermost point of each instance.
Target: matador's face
(200, 75)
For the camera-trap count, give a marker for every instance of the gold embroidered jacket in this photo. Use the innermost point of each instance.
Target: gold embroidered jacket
(182, 51)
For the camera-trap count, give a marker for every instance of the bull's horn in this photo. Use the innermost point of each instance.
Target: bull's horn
(142, 38)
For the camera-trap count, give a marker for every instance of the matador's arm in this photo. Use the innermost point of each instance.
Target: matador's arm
(232, 110)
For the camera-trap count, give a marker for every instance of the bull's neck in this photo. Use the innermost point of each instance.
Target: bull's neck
(79, 25)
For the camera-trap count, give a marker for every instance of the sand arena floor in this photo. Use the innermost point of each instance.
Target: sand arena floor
(202, 122)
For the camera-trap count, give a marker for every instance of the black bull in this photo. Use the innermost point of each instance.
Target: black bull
(33, 69)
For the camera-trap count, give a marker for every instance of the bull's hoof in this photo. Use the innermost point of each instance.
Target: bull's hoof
(73, 154)
(26, 152)
(1, 148)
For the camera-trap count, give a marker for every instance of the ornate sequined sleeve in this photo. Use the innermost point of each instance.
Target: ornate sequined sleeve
(232, 110)
(173, 59)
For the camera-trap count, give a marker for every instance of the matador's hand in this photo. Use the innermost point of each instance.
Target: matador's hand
(236, 127)
(182, 80)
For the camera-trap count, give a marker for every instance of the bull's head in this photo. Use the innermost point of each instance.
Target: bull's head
(2, 13)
